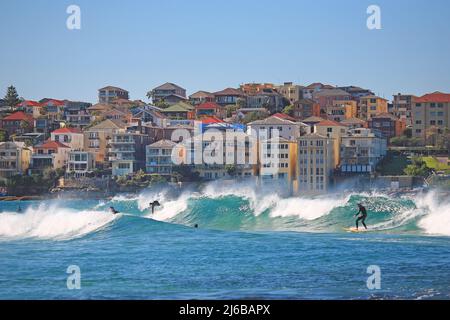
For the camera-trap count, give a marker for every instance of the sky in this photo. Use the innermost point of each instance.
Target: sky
(210, 45)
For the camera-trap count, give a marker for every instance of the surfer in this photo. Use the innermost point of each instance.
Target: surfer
(113, 210)
(19, 209)
(362, 215)
(154, 204)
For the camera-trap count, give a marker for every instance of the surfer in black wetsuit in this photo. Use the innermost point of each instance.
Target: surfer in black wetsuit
(154, 204)
(362, 215)
(113, 211)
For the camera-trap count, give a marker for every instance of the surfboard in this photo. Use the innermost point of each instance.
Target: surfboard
(353, 229)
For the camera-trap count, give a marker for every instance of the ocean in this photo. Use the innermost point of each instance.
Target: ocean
(250, 244)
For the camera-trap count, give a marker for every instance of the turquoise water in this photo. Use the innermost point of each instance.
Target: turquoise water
(249, 244)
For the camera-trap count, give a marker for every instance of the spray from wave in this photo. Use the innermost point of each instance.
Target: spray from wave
(52, 223)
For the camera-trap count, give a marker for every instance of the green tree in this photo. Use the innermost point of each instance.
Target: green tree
(3, 135)
(231, 169)
(289, 110)
(253, 116)
(11, 97)
(418, 168)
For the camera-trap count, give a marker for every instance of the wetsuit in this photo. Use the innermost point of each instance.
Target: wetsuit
(362, 217)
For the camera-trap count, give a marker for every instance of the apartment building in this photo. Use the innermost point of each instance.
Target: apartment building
(290, 91)
(388, 124)
(286, 129)
(126, 152)
(327, 97)
(430, 113)
(402, 107)
(370, 106)
(278, 162)
(315, 164)
(341, 110)
(159, 158)
(14, 159)
(305, 108)
(254, 88)
(96, 139)
(333, 130)
(361, 150)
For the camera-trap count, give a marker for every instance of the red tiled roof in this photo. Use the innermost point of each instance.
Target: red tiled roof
(208, 105)
(211, 119)
(30, 103)
(434, 97)
(66, 130)
(55, 102)
(283, 116)
(52, 145)
(18, 116)
(329, 123)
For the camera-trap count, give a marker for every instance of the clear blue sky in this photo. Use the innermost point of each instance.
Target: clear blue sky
(210, 45)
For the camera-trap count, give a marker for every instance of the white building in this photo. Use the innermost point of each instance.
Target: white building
(361, 150)
(287, 129)
(80, 163)
(159, 157)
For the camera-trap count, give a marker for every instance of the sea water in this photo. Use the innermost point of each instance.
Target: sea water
(248, 244)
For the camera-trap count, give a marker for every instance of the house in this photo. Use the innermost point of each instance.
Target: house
(210, 109)
(159, 158)
(431, 114)
(151, 116)
(341, 110)
(361, 151)
(109, 94)
(180, 110)
(354, 123)
(312, 121)
(266, 128)
(30, 139)
(201, 97)
(50, 154)
(370, 106)
(228, 96)
(305, 108)
(388, 124)
(309, 91)
(80, 163)
(266, 98)
(127, 152)
(169, 93)
(96, 139)
(290, 91)
(356, 92)
(14, 159)
(315, 164)
(254, 88)
(54, 109)
(326, 97)
(18, 123)
(76, 114)
(71, 137)
(33, 108)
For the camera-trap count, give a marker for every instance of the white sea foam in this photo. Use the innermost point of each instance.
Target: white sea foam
(307, 208)
(437, 219)
(52, 223)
